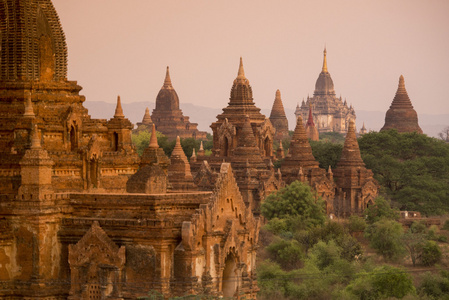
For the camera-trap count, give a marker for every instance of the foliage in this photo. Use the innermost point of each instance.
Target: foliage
(413, 242)
(325, 254)
(272, 280)
(434, 286)
(142, 139)
(288, 254)
(356, 224)
(327, 153)
(412, 168)
(446, 225)
(295, 200)
(431, 253)
(385, 237)
(332, 137)
(381, 209)
(383, 282)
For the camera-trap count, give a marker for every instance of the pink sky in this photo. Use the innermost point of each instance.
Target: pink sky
(123, 47)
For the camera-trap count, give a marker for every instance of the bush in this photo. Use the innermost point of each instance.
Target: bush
(446, 225)
(385, 238)
(295, 200)
(288, 254)
(431, 253)
(381, 209)
(382, 282)
(434, 286)
(356, 224)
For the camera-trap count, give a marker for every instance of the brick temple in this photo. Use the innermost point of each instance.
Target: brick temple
(401, 115)
(168, 117)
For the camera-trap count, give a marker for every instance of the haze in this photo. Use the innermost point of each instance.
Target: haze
(119, 47)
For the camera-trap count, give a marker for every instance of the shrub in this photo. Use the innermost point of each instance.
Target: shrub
(356, 224)
(385, 238)
(446, 225)
(431, 253)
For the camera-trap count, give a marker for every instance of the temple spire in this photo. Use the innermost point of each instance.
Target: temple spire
(241, 73)
(310, 119)
(167, 81)
(324, 61)
(153, 139)
(118, 110)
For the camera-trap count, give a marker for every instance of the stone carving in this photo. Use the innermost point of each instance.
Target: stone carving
(96, 265)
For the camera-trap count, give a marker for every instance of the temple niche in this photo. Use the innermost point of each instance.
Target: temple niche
(168, 117)
(401, 115)
(330, 114)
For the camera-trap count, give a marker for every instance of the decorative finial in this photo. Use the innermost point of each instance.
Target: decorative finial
(193, 153)
(201, 146)
(29, 112)
(241, 70)
(167, 81)
(278, 94)
(35, 140)
(153, 139)
(280, 145)
(324, 61)
(118, 110)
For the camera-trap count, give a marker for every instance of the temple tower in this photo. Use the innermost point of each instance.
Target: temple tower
(311, 130)
(330, 113)
(168, 117)
(227, 128)
(401, 115)
(278, 118)
(356, 188)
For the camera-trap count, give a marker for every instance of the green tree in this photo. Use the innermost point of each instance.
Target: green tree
(381, 209)
(288, 254)
(434, 286)
(431, 253)
(327, 153)
(295, 200)
(413, 242)
(385, 237)
(413, 169)
(383, 282)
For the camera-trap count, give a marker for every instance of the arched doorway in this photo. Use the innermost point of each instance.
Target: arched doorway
(93, 173)
(225, 147)
(267, 146)
(229, 281)
(115, 141)
(73, 144)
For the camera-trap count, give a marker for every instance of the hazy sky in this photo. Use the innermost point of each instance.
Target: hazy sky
(123, 47)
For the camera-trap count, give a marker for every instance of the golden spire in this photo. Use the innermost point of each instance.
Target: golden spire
(118, 110)
(325, 62)
(153, 139)
(241, 73)
(167, 81)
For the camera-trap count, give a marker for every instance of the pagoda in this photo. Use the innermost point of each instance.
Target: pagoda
(401, 115)
(278, 118)
(330, 113)
(168, 117)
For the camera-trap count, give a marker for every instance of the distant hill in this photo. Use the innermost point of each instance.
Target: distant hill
(204, 116)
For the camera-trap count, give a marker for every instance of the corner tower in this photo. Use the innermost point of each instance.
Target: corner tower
(278, 118)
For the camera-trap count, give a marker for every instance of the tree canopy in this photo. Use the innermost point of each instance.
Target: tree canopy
(412, 168)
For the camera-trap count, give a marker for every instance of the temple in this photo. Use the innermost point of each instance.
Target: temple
(168, 117)
(401, 115)
(81, 215)
(330, 113)
(278, 118)
(356, 188)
